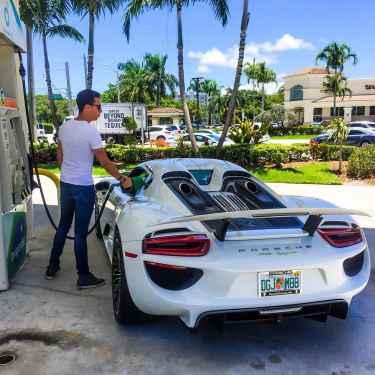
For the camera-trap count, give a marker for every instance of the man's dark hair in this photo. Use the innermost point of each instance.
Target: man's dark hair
(86, 97)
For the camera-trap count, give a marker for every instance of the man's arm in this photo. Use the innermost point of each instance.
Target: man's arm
(109, 166)
(59, 154)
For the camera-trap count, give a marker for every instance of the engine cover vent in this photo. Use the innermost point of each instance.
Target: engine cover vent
(229, 201)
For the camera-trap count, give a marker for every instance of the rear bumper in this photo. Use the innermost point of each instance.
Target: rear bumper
(231, 294)
(315, 310)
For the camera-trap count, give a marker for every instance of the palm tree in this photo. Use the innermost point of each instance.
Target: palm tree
(338, 132)
(134, 81)
(159, 79)
(336, 85)
(335, 56)
(237, 79)
(137, 7)
(94, 9)
(47, 18)
(211, 89)
(251, 72)
(260, 75)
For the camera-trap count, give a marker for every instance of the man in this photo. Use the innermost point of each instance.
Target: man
(78, 142)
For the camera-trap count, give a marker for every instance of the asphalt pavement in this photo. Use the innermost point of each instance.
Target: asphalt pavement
(55, 329)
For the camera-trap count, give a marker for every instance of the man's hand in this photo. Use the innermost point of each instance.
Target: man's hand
(126, 182)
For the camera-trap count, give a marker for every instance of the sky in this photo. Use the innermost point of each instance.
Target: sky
(286, 34)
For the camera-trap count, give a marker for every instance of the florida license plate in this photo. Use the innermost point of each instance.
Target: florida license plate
(276, 283)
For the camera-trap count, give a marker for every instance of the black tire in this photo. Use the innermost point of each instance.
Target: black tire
(124, 309)
(160, 138)
(98, 231)
(365, 143)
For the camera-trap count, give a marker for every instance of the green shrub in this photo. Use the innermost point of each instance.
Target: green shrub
(362, 163)
(48, 128)
(243, 154)
(45, 153)
(296, 130)
(326, 152)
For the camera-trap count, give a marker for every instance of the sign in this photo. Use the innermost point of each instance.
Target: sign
(370, 87)
(7, 102)
(57, 96)
(11, 26)
(113, 114)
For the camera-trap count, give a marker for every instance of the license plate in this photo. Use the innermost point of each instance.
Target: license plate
(276, 283)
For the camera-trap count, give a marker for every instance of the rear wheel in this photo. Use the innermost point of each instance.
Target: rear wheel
(160, 138)
(124, 309)
(365, 144)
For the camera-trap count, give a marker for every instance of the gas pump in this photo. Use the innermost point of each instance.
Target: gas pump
(15, 189)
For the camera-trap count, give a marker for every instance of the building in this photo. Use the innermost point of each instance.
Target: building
(165, 116)
(305, 98)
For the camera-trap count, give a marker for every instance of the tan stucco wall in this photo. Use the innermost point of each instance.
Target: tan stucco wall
(312, 91)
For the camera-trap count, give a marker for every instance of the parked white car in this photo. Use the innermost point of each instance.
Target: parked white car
(162, 132)
(203, 238)
(40, 132)
(207, 139)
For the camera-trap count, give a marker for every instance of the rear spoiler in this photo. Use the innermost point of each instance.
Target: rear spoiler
(311, 225)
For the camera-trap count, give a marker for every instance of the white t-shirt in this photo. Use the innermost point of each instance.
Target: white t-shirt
(78, 140)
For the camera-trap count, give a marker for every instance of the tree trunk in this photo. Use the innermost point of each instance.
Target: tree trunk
(263, 98)
(51, 102)
(181, 78)
(340, 158)
(90, 51)
(241, 53)
(30, 79)
(334, 105)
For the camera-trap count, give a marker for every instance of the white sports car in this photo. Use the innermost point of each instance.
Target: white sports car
(205, 239)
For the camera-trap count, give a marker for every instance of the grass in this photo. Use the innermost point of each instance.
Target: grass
(297, 173)
(304, 173)
(308, 137)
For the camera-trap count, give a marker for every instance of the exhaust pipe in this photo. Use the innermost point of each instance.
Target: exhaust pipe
(185, 189)
(251, 187)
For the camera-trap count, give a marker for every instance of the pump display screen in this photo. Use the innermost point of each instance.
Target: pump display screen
(202, 176)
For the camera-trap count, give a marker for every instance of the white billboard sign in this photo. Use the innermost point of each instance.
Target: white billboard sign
(113, 114)
(11, 26)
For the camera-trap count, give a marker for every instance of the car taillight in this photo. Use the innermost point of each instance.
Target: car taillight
(193, 245)
(341, 237)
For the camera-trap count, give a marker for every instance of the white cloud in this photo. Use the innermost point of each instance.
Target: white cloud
(265, 51)
(270, 88)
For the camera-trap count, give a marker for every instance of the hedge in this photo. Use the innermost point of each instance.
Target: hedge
(296, 130)
(362, 163)
(245, 155)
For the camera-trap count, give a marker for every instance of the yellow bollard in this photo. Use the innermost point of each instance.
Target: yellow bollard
(53, 177)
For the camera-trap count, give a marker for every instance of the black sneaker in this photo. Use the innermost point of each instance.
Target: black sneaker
(51, 272)
(89, 281)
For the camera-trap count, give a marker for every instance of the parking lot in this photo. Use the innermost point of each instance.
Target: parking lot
(55, 329)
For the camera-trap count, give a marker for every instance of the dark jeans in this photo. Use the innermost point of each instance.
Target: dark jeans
(77, 201)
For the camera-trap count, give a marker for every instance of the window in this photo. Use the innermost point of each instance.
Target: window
(358, 111)
(296, 93)
(372, 110)
(155, 129)
(355, 132)
(357, 125)
(318, 114)
(165, 121)
(339, 112)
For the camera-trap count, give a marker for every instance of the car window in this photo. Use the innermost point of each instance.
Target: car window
(155, 129)
(186, 138)
(200, 138)
(356, 132)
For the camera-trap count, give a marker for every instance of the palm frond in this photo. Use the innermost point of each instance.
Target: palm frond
(65, 31)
